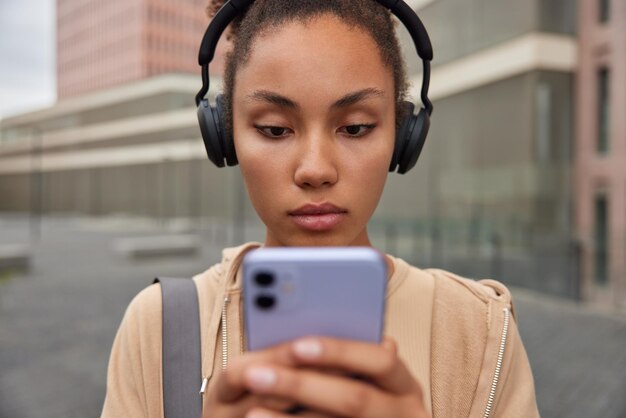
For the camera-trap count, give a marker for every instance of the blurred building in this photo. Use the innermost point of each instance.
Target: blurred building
(600, 163)
(522, 177)
(101, 44)
(494, 185)
(131, 149)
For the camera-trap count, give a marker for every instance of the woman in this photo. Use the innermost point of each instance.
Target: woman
(312, 98)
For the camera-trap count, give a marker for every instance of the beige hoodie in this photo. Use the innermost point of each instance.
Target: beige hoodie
(478, 367)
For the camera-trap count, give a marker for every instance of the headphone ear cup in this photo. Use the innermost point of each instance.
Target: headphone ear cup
(226, 138)
(402, 134)
(218, 144)
(416, 137)
(210, 133)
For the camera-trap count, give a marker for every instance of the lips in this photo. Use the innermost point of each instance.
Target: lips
(318, 217)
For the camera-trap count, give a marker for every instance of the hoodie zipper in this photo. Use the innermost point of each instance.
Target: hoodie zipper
(496, 375)
(225, 333)
(205, 380)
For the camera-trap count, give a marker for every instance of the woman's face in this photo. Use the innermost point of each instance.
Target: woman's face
(314, 127)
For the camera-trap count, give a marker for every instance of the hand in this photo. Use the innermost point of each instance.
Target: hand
(230, 397)
(294, 376)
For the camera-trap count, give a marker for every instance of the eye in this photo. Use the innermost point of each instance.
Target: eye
(357, 130)
(273, 131)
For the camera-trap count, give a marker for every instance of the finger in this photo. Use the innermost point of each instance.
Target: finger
(375, 362)
(310, 414)
(265, 413)
(390, 344)
(229, 387)
(333, 395)
(274, 403)
(304, 412)
(251, 401)
(230, 384)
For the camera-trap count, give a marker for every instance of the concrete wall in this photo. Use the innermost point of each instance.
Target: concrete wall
(461, 27)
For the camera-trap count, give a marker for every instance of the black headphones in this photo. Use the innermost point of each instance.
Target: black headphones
(410, 135)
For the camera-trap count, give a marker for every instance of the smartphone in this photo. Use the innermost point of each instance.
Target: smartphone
(295, 292)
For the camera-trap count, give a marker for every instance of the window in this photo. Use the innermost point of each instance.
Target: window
(604, 109)
(601, 238)
(604, 10)
(543, 97)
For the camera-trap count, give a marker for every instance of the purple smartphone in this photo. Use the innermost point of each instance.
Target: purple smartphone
(328, 291)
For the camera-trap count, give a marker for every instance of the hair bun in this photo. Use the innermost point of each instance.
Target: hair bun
(213, 7)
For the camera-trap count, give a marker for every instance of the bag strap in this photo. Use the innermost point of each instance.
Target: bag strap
(181, 349)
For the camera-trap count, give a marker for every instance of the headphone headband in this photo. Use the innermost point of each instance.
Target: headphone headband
(226, 14)
(232, 8)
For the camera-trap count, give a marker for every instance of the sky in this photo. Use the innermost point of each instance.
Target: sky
(27, 55)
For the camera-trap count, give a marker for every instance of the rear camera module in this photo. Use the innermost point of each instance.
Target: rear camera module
(265, 302)
(264, 279)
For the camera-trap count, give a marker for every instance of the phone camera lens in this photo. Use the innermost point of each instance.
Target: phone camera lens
(264, 279)
(265, 302)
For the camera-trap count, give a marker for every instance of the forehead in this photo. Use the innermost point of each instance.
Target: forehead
(322, 54)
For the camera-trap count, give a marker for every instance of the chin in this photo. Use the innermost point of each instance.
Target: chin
(322, 239)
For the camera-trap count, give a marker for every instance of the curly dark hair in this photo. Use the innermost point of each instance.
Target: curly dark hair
(367, 15)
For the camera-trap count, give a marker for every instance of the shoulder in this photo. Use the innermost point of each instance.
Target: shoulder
(455, 288)
(473, 334)
(470, 294)
(144, 313)
(145, 308)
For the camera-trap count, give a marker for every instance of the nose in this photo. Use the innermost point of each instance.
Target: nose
(317, 165)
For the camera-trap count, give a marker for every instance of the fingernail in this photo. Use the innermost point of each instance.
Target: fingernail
(308, 349)
(261, 377)
(258, 414)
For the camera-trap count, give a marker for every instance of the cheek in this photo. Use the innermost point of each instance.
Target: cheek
(367, 170)
(373, 157)
(263, 174)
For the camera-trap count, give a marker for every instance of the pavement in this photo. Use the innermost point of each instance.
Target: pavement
(58, 321)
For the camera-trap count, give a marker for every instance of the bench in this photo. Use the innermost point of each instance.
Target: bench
(14, 257)
(157, 245)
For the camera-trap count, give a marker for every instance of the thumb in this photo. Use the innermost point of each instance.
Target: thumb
(390, 344)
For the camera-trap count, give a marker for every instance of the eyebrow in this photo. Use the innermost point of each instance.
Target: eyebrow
(347, 100)
(358, 96)
(273, 98)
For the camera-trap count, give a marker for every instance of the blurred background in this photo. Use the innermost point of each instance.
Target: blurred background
(105, 184)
